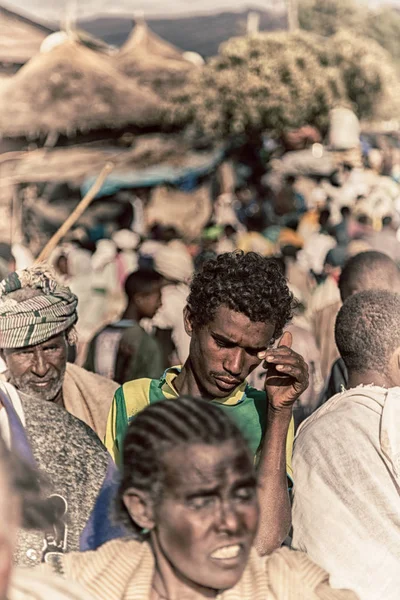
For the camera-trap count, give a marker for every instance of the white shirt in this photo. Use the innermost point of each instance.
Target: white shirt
(346, 511)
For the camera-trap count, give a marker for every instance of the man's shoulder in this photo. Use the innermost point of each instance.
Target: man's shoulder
(343, 413)
(135, 394)
(81, 374)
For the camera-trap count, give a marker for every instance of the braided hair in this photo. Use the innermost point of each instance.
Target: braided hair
(161, 427)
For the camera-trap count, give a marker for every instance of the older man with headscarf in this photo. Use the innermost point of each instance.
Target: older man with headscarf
(37, 318)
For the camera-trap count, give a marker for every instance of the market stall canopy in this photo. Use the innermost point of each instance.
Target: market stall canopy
(161, 156)
(186, 176)
(151, 59)
(70, 89)
(20, 37)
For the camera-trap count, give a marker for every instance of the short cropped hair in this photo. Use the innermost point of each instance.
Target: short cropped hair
(142, 281)
(367, 330)
(246, 283)
(369, 270)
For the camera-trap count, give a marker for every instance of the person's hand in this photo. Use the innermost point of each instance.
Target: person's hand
(287, 374)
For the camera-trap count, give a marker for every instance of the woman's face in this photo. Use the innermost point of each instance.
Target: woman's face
(206, 520)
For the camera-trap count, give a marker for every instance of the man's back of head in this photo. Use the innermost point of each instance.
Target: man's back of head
(367, 335)
(369, 271)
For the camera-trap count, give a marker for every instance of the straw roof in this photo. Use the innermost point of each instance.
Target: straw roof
(20, 37)
(69, 89)
(151, 59)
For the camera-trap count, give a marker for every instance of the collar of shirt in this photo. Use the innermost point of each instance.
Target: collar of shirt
(167, 385)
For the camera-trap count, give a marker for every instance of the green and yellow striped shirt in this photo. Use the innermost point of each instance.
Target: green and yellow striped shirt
(246, 406)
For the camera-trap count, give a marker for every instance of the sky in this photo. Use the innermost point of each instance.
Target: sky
(54, 10)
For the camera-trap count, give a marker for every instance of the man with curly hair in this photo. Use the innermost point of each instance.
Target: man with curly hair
(237, 308)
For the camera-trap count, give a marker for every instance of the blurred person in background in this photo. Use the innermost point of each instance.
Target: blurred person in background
(37, 318)
(123, 350)
(175, 265)
(323, 307)
(369, 270)
(78, 469)
(22, 504)
(7, 260)
(127, 259)
(385, 240)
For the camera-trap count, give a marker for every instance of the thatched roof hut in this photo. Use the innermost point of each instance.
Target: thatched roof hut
(20, 39)
(71, 89)
(150, 59)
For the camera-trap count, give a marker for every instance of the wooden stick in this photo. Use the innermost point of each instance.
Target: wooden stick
(76, 214)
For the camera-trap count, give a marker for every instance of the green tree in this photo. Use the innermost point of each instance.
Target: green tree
(269, 81)
(326, 17)
(281, 81)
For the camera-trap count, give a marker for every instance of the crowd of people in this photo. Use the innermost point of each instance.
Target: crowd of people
(213, 419)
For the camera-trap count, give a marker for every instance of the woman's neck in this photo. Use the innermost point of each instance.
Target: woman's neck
(168, 584)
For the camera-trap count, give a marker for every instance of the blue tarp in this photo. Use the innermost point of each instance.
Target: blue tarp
(184, 178)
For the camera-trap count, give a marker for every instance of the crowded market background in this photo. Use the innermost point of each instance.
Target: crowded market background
(199, 339)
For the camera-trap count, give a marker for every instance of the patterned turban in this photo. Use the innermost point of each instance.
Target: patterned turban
(35, 320)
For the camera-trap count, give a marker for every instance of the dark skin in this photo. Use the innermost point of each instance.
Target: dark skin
(39, 370)
(141, 306)
(203, 522)
(222, 355)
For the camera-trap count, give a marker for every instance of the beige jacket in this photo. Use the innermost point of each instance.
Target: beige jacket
(123, 570)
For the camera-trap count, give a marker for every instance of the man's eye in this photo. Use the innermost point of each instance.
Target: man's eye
(25, 353)
(51, 348)
(201, 502)
(223, 344)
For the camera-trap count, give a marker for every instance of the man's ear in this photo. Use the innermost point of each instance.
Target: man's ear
(187, 321)
(140, 507)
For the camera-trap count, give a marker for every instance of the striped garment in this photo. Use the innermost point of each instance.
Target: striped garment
(124, 569)
(39, 318)
(246, 406)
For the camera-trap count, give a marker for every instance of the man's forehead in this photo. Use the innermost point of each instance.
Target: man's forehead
(238, 327)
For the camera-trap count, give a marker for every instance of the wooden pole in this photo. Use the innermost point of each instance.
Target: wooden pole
(293, 15)
(76, 214)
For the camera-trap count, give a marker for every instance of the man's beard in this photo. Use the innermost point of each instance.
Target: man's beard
(25, 384)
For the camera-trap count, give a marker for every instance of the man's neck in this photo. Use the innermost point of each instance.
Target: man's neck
(186, 383)
(131, 313)
(370, 377)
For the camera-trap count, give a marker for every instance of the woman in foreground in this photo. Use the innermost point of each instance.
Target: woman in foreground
(189, 495)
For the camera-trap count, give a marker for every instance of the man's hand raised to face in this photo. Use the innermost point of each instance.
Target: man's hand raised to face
(287, 374)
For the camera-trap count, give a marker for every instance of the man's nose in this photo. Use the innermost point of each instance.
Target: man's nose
(234, 361)
(40, 365)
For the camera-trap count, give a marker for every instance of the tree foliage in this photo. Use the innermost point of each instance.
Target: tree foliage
(280, 81)
(327, 17)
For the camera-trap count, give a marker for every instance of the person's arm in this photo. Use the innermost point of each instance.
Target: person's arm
(286, 380)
